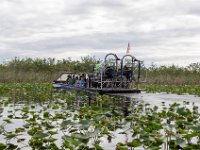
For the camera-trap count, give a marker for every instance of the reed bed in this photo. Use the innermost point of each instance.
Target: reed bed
(47, 70)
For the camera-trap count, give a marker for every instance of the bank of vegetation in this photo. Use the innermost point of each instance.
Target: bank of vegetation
(189, 75)
(48, 69)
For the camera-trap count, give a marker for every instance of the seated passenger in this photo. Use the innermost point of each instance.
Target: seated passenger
(68, 79)
(98, 68)
(82, 81)
(73, 80)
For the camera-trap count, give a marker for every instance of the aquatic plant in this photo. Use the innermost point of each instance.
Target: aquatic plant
(73, 120)
(173, 127)
(26, 92)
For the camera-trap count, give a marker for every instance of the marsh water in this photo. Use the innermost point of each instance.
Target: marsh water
(154, 99)
(158, 98)
(107, 142)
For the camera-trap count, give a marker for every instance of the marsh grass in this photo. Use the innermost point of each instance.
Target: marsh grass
(42, 70)
(48, 69)
(188, 75)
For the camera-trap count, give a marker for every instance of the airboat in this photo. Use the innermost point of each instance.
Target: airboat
(113, 75)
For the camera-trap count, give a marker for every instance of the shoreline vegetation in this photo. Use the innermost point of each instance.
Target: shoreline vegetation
(48, 69)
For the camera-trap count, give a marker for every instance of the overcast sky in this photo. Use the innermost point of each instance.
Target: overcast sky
(159, 31)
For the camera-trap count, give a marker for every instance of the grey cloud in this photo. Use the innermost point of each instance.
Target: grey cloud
(195, 10)
(86, 8)
(94, 41)
(167, 20)
(103, 4)
(188, 7)
(106, 41)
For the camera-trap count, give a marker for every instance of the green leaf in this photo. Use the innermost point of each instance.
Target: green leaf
(129, 118)
(53, 146)
(18, 130)
(196, 128)
(105, 131)
(66, 144)
(183, 111)
(65, 124)
(158, 142)
(46, 114)
(134, 143)
(85, 124)
(192, 147)
(11, 146)
(7, 120)
(98, 147)
(154, 148)
(2, 146)
(10, 135)
(59, 116)
(73, 130)
(41, 135)
(121, 146)
(32, 131)
(193, 134)
(25, 109)
(52, 132)
(51, 140)
(55, 107)
(81, 136)
(181, 131)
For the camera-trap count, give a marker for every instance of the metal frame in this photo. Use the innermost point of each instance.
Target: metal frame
(113, 83)
(123, 84)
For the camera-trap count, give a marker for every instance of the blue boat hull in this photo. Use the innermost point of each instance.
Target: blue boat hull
(94, 90)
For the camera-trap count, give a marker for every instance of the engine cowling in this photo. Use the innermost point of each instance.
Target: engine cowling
(110, 72)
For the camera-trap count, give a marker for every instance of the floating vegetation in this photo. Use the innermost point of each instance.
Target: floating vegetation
(70, 120)
(26, 92)
(172, 127)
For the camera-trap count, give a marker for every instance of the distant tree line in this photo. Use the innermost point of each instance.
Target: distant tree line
(48, 69)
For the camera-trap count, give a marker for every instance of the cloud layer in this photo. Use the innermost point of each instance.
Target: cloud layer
(163, 32)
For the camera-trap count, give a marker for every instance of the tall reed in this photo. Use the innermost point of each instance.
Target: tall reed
(48, 69)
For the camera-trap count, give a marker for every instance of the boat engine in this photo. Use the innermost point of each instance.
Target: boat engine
(110, 72)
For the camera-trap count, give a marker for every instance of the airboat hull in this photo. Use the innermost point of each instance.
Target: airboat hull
(96, 90)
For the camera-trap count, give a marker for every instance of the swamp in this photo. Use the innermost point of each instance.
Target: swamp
(35, 115)
(38, 116)
(99, 75)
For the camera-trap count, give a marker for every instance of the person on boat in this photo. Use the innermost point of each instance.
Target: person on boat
(68, 79)
(73, 80)
(77, 81)
(82, 81)
(98, 67)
